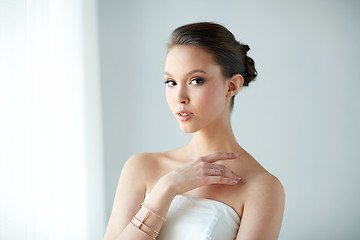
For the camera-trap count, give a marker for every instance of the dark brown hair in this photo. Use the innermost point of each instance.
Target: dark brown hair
(221, 43)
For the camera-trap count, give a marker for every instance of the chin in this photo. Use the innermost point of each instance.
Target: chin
(188, 129)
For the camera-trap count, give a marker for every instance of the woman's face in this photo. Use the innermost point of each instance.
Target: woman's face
(196, 85)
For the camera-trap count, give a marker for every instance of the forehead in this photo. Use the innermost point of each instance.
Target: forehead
(186, 58)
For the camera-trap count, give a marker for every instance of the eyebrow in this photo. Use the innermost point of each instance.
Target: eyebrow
(191, 72)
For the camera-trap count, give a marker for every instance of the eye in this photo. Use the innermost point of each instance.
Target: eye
(197, 81)
(171, 83)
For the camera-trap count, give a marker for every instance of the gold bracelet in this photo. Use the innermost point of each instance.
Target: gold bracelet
(147, 208)
(142, 223)
(154, 238)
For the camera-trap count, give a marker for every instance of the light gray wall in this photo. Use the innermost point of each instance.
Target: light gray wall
(300, 118)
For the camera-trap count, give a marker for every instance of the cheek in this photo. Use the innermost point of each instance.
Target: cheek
(205, 97)
(211, 99)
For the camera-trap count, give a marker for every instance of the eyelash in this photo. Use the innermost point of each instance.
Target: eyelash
(200, 81)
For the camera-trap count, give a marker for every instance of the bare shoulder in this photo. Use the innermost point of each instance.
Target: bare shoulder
(266, 181)
(264, 200)
(257, 180)
(142, 164)
(138, 176)
(260, 187)
(149, 166)
(139, 161)
(265, 185)
(148, 157)
(152, 160)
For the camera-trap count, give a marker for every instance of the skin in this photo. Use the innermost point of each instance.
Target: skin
(195, 83)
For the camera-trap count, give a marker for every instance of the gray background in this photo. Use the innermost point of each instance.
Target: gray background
(299, 119)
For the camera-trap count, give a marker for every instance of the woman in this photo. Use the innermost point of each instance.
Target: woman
(210, 188)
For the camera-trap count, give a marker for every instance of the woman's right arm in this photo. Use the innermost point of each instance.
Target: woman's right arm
(129, 195)
(132, 188)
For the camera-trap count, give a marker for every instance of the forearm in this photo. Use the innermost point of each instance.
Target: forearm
(158, 202)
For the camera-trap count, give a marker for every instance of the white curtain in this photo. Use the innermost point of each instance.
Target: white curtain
(51, 173)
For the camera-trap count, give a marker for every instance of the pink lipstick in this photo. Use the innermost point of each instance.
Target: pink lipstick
(184, 115)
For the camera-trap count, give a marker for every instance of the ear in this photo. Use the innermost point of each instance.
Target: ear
(234, 85)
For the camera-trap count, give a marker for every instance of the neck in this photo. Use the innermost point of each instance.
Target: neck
(217, 137)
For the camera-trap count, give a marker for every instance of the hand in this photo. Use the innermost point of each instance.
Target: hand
(201, 172)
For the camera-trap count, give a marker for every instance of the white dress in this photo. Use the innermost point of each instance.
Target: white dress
(192, 218)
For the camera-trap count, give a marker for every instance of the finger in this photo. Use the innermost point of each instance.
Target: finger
(216, 171)
(214, 157)
(221, 170)
(219, 180)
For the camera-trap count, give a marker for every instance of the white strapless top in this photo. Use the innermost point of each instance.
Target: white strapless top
(192, 218)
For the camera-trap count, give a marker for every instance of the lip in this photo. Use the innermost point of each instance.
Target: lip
(184, 118)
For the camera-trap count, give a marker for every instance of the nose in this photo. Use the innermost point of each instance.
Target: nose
(182, 96)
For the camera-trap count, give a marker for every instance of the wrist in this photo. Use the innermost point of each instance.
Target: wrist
(166, 187)
(160, 197)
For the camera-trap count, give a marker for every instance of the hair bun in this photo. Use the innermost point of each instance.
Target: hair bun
(245, 48)
(249, 64)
